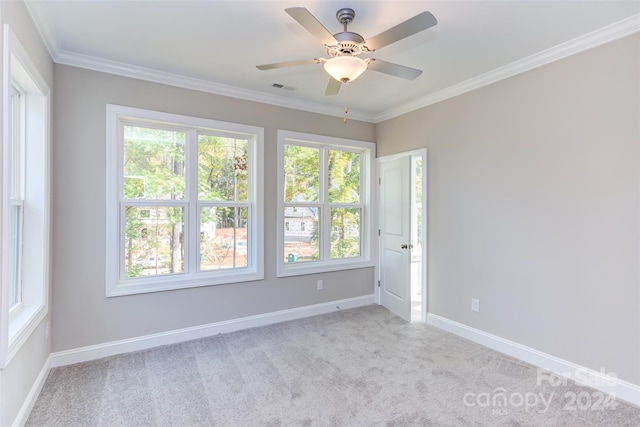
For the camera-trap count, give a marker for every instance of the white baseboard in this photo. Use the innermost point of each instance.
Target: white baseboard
(83, 354)
(30, 400)
(599, 380)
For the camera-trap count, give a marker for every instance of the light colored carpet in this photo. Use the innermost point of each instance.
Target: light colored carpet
(360, 367)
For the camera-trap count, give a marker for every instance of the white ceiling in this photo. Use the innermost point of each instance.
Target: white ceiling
(215, 45)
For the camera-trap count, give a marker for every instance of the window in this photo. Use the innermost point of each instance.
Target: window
(324, 199)
(25, 199)
(184, 202)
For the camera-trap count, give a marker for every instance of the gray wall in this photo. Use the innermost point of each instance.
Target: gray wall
(19, 376)
(534, 206)
(82, 314)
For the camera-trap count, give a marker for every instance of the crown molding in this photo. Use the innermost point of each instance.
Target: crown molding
(587, 41)
(147, 74)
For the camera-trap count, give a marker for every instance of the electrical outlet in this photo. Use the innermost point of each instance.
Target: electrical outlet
(47, 330)
(320, 285)
(475, 304)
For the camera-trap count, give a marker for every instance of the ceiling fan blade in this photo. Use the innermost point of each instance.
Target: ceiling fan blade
(407, 28)
(287, 64)
(333, 87)
(311, 24)
(393, 69)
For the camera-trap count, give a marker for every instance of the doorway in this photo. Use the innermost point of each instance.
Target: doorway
(402, 272)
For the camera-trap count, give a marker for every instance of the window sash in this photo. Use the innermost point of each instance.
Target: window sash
(236, 240)
(295, 251)
(155, 177)
(187, 245)
(154, 252)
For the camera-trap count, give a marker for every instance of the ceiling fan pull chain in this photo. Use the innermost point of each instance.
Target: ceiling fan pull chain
(346, 108)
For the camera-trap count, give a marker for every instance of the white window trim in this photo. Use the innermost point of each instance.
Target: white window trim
(368, 215)
(16, 327)
(115, 286)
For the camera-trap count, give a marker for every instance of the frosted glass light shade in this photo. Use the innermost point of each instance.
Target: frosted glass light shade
(345, 68)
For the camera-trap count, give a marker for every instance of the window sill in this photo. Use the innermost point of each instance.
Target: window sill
(299, 269)
(178, 281)
(22, 326)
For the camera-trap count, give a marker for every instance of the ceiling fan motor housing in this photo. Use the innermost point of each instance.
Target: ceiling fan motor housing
(346, 47)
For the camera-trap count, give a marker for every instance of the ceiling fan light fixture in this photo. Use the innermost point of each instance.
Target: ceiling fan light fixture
(345, 68)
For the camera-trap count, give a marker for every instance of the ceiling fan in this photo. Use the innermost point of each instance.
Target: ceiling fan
(344, 48)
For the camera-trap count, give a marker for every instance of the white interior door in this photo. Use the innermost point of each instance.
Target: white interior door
(395, 235)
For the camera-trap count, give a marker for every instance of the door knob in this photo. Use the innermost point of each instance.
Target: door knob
(404, 246)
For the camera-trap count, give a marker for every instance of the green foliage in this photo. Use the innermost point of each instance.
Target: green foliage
(301, 174)
(222, 168)
(345, 233)
(343, 183)
(153, 164)
(155, 169)
(222, 228)
(343, 176)
(343, 180)
(134, 270)
(153, 231)
(133, 224)
(223, 172)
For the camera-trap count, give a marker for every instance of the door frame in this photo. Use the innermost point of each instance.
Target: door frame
(421, 152)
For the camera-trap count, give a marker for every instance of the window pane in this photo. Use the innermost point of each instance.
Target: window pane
(301, 174)
(16, 134)
(154, 166)
(301, 236)
(222, 168)
(15, 284)
(223, 237)
(345, 232)
(343, 168)
(154, 243)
